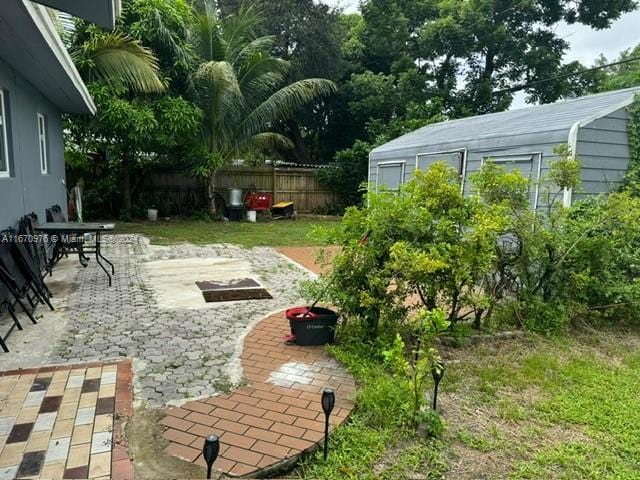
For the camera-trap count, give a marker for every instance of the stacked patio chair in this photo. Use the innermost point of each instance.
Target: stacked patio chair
(6, 305)
(36, 246)
(19, 280)
(19, 298)
(30, 269)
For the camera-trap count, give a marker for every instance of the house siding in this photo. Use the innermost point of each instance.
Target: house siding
(28, 190)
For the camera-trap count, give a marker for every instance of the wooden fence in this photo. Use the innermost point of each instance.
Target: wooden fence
(177, 193)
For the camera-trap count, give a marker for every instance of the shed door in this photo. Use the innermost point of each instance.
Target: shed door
(528, 165)
(390, 175)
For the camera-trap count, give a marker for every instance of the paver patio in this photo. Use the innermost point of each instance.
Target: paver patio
(65, 422)
(268, 424)
(180, 356)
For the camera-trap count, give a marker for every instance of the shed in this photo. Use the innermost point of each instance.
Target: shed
(595, 126)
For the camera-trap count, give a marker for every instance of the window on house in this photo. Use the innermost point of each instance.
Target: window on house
(42, 142)
(391, 175)
(4, 139)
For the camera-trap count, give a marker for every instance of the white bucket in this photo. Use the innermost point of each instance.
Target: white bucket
(251, 216)
(152, 214)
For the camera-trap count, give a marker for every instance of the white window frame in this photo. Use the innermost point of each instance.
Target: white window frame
(522, 158)
(43, 146)
(3, 131)
(391, 163)
(463, 163)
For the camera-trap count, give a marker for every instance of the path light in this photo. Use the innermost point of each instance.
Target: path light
(437, 371)
(328, 402)
(210, 451)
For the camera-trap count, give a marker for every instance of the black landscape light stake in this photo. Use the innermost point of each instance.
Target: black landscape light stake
(328, 402)
(437, 371)
(210, 451)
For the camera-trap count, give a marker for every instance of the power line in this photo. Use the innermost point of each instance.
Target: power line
(517, 88)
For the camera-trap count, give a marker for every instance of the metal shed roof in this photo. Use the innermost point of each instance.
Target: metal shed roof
(537, 119)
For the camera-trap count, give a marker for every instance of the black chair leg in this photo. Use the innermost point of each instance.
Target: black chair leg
(27, 311)
(12, 312)
(3, 345)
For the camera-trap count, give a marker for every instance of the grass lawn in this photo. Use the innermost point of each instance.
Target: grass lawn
(281, 233)
(533, 408)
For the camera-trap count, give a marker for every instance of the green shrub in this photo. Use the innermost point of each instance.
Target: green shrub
(487, 258)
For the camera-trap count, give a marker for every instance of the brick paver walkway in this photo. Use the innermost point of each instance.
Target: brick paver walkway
(307, 256)
(267, 425)
(65, 422)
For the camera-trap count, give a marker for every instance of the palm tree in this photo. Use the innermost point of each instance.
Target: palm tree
(242, 89)
(118, 60)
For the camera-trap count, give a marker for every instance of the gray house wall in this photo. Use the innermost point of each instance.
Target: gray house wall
(28, 190)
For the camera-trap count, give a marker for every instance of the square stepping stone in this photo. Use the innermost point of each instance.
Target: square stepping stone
(58, 450)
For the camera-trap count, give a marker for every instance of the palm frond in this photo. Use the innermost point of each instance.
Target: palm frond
(119, 60)
(165, 37)
(239, 30)
(261, 45)
(268, 141)
(208, 40)
(262, 74)
(285, 102)
(221, 99)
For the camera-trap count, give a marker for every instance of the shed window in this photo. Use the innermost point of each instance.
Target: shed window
(391, 175)
(42, 142)
(528, 165)
(5, 169)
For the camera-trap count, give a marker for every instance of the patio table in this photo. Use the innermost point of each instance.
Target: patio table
(61, 229)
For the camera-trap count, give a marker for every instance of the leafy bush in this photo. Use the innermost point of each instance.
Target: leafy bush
(486, 257)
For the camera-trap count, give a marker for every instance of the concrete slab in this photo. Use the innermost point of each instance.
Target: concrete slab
(174, 280)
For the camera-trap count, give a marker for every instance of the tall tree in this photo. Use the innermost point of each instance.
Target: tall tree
(243, 89)
(138, 122)
(309, 35)
(488, 44)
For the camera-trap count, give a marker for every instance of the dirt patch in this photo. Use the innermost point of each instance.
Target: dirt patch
(146, 444)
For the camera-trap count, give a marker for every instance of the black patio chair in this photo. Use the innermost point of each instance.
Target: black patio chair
(11, 283)
(6, 305)
(35, 245)
(29, 268)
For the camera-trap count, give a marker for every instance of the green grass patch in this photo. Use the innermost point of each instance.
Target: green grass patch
(280, 233)
(378, 442)
(570, 407)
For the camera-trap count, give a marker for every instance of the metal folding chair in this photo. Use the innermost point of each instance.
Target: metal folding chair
(7, 305)
(11, 284)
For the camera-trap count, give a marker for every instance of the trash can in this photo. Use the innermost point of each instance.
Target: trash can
(315, 326)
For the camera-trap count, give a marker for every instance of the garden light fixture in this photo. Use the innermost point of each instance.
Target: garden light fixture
(328, 402)
(437, 371)
(210, 451)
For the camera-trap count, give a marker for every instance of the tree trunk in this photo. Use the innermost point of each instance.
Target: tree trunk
(300, 149)
(126, 188)
(211, 191)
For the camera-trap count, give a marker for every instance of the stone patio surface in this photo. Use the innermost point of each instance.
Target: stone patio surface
(266, 425)
(178, 353)
(65, 422)
(220, 368)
